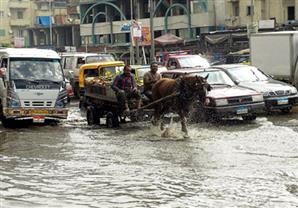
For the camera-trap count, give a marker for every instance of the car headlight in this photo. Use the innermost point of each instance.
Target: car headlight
(257, 98)
(219, 102)
(293, 90)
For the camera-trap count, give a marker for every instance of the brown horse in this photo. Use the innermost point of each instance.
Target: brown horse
(187, 89)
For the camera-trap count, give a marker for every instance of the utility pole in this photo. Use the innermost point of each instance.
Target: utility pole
(51, 29)
(137, 41)
(152, 52)
(252, 12)
(132, 56)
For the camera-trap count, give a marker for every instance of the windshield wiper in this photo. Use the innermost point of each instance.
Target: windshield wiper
(221, 84)
(47, 80)
(26, 80)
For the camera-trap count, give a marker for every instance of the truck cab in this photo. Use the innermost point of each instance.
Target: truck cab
(32, 86)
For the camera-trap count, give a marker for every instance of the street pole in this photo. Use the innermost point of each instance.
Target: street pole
(132, 58)
(152, 52)
(51, 29)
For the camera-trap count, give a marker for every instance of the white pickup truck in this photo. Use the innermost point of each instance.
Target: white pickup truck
(32, 86)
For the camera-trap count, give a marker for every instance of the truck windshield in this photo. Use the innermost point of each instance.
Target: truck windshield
(36, 69)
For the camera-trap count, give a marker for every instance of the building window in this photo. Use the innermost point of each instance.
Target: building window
(200, 6)
(2, 32)
(44, 6)
(235, 7)
(291, 13)
(248, 10)
(1, 13)
(20, 15)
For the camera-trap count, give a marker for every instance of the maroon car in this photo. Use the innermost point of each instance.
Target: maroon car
(225, 100)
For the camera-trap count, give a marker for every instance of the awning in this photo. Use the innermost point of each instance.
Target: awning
(43, 20)
(168, 39)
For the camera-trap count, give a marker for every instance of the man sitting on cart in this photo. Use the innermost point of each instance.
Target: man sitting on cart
(125, 88)
(150, 78)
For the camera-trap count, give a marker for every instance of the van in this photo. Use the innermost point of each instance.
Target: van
(32, 86)
(71, 63)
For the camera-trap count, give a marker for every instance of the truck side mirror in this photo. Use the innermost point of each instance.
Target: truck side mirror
(2, 72)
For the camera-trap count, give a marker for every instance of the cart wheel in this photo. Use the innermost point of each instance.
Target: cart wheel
(92, 116)
(112, 120)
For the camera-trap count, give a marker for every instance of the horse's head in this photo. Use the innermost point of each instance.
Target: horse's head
(197, 85)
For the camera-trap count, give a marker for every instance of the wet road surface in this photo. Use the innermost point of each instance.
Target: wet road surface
(228, 164)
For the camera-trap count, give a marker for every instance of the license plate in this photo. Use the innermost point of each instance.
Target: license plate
(38, 119)
(282, 101)
(39, 112)
(242, 110)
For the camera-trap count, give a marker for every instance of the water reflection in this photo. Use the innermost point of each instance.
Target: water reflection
(231, 164)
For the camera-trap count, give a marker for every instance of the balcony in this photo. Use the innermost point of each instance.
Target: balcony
(20, 22)
(16, 4)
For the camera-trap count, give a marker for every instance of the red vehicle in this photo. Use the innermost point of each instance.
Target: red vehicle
(163, 57)
(181, 61)
(225, 99)
(69, 90)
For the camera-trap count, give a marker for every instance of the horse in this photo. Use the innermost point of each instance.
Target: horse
(185, 91)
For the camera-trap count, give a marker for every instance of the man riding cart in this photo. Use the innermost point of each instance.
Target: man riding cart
(126, 89)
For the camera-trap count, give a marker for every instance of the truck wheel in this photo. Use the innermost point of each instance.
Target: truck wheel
(249, 118)
(7, 123)
(92, 116)
(112, 120)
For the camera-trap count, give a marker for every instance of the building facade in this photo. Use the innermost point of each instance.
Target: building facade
(56, 24)
(102, 22)
(5, 37)
(241, 13)
(203, 15)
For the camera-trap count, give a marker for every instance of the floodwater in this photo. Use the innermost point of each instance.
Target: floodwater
(229, 164)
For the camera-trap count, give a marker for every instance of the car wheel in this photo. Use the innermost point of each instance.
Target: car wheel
(249, 118)
(198, 114)
(286, 110)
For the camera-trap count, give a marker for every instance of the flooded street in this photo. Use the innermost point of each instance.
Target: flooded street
(229, 164)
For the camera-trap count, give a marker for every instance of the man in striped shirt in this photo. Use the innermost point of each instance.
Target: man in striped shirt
(125, 88)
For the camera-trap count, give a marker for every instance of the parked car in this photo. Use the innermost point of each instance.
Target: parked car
(277, 95)
(180, 61)
(225, 99)
(238, 57)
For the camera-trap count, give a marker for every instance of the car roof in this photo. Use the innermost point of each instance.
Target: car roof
(190, 71)
(230, 66)
(102, 64)
(183, 55)
(82, 54)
